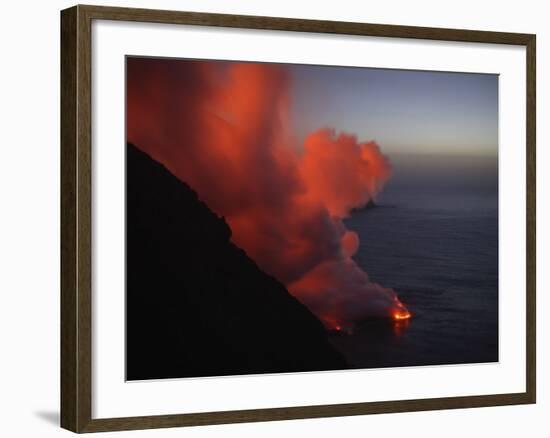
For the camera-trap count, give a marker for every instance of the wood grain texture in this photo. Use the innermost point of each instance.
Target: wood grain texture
(69, 328)
(300, 25)
(302, 412)
(76, 186)
(76, 222)
(531, 211)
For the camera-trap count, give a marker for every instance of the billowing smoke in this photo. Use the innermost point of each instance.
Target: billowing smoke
(224, 129)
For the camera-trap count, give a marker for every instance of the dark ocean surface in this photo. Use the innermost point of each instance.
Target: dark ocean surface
(433, 238)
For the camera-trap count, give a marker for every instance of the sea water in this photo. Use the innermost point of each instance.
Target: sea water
(433, 238)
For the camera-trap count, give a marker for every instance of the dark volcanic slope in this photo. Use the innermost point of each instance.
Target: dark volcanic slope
(197, 305)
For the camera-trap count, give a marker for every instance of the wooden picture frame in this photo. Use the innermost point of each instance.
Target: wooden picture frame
(76, 218)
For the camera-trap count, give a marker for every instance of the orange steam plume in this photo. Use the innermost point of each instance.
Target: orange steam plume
(223, 128)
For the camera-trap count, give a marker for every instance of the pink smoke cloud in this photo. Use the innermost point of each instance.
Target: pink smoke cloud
(224, 129)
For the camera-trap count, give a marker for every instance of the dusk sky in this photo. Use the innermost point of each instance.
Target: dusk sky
(406, 112)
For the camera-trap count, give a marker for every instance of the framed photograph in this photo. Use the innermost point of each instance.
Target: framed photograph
(269, 218)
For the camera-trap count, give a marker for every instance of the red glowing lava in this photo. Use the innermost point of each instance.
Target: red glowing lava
(399, 315)
(400, 312)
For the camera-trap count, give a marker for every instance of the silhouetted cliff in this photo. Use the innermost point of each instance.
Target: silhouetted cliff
(368, 206)
(197, 305)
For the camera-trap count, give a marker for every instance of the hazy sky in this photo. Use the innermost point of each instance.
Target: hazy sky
(406, 112)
